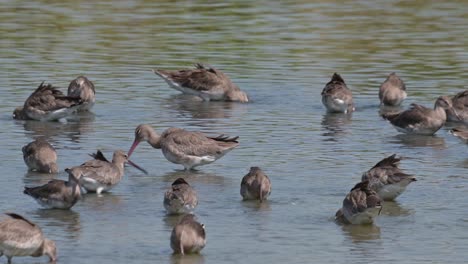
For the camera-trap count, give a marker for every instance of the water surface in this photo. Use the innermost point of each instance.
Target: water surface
(281, 54)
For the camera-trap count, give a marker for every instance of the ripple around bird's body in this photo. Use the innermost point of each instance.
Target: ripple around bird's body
(282, 54)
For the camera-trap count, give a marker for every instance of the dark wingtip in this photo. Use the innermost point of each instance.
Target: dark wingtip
(337, 78)
(225, 138)
(99, 156)
(19, 217)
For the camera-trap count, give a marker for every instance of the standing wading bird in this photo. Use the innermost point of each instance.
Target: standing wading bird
(57, 193)
(40, 156)
(336, 96)
(360, 206)
(419, 119)
(100, 175)
(188, 236)
(457, 109)
(47, 103)
(207, 83)
(387, 179)
(393, 91)
(20, 237)
(179, 146)
(83, 88)
(255, 185)
(181, 198)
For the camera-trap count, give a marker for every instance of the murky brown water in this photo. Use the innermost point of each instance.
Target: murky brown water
(282, 54)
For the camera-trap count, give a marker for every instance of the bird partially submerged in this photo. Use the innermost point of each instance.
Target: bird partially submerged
(47, 103)
(208, 83)
(360, 206)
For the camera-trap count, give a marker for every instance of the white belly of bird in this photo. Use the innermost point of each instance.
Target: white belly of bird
(52, 115)
(189, 161)
(335, 104)
(205, 95)
(391, 191)
(91, 185)
(366, 217)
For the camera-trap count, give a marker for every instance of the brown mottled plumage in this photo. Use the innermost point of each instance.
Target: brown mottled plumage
(188, 236)
(336, 96)
(461, 133)
(83, 88)
(457, 108)
(57, 193)
(360, 206)
(392, 91)
(387, 179)
(419, 119)
(47, 103)
(180, 198)
(255, 185)
(179, 146)
(20, 237)
(40, 156)
(100, 175)
(207, 83)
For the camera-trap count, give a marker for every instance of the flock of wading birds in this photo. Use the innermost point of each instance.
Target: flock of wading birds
(384, 181)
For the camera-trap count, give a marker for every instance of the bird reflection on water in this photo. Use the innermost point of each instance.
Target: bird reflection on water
(335, 125)
(68, 220)
(81, 124)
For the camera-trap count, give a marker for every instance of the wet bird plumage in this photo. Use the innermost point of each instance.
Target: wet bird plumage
(180, 198)
(336, 96)
(392, 91)
(40, 156)
(387, 179)
(255, 185)
(188, 236)
(58, 193)
(360, 206)
(419, 119)
(205, 82)
(83, 88)
(47, 103)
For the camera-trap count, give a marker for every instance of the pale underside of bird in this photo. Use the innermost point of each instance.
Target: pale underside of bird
(205, 82)
(179, 146)
(336, 97)
(20, 237)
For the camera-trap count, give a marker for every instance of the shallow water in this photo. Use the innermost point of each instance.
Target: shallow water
(281, 54)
